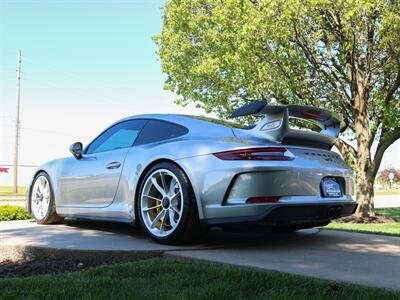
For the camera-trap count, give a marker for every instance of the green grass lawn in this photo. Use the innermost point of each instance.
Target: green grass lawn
(393, 212)
(8, 191)
(168, 278)
(386, 229)
(11, 199)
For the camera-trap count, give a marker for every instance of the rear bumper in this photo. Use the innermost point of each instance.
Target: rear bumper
(286, 214)
(222, 187)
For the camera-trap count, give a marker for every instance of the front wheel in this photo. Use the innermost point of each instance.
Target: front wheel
(167, 206)
(41, 200)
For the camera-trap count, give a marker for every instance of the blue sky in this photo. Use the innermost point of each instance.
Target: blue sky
(85, 64)
(103, 49)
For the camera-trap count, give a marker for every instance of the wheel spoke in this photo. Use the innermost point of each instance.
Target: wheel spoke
(157, 186)
(146, 209)
(151, 197)
(176, 194)
(171, 217)
(175, 210)
(172, 186)
(41, 209)
(40, 185)
(164, 212)
(163, 183)
(156, 219)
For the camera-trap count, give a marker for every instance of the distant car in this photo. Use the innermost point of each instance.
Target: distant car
(175, 174)
(378, 186)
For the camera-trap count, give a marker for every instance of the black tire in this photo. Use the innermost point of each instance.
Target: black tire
(51, 216)
(188, 229)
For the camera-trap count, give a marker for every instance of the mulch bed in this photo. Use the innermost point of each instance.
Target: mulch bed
(377, 219)
(10, 268)
(64, 261)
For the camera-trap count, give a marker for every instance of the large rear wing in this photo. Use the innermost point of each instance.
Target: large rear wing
(275, 122)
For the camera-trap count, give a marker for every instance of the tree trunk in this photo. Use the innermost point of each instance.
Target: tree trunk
(364, 177)
(365, 195)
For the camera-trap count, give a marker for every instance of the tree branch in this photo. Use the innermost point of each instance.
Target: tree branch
(386, 140)
(394, 87)
(348, 152)
(316, 65)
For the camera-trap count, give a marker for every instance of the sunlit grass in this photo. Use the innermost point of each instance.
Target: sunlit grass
(386, 192)
(9, 191)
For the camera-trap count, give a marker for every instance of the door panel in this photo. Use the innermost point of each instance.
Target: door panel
(93, 180)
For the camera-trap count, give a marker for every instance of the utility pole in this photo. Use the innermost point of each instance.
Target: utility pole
(17, 123)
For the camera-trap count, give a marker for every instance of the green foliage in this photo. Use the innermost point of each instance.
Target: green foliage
(11, 213)
(167, 278)
(384, 174)
(221, 54)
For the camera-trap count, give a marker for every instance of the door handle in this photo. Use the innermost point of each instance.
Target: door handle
(113, 165)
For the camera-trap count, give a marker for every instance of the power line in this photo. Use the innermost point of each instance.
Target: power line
(23, 166)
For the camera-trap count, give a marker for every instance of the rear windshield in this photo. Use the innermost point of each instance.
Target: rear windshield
(220, 122)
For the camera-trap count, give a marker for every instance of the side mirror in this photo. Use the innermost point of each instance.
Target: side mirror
(76, 150)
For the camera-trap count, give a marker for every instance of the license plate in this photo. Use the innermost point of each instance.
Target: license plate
(331, 188)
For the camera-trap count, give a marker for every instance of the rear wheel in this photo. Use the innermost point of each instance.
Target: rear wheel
(167, 206)
(42, 200)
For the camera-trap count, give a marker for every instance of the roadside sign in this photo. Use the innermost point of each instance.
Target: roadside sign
(4, 170)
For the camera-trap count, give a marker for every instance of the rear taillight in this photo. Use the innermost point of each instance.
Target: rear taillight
(270, 199)
(274, 153)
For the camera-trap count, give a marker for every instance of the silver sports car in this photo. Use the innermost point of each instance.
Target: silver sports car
(176, 175)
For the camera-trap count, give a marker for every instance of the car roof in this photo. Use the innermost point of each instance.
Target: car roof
(197, 125)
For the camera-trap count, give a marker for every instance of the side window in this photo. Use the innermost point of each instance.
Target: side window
(159, 130)
(121, 135)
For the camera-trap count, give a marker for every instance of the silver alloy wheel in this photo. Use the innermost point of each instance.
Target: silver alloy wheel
(40, 198)
(161, 202)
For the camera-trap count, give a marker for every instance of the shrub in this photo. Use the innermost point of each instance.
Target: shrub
(10, 213)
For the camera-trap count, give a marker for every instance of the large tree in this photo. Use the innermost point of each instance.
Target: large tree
(343, 55)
